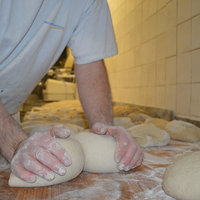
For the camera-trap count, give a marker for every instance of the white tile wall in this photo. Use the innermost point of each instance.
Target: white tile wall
(195, 7)
(184, 68)
(196, 66)
(171, 70)
(195, 108)
(184, 10)
(183, 98)
(196, 32)
(159, 54)
(184, 37)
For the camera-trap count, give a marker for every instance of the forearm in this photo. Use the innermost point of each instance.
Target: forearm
(94, 92)
(10, 134)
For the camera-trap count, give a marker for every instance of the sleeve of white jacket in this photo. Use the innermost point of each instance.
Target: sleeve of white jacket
(93, 39)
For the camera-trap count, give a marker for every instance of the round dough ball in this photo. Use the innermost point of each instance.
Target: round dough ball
(75, 151)
(99, 152)
(148, 135)
(182, 178)
(160, 123)
(183, 131)
(123, 121)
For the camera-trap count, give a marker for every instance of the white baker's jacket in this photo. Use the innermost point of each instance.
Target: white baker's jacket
(33, 34)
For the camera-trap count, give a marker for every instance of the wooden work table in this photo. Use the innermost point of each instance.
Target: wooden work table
(143, 183)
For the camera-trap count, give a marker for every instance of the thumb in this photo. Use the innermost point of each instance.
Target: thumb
(60, 131)
(99, 128)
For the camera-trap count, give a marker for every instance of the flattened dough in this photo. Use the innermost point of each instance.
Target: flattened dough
(183, 131)
(160, 123)
(123, 121)
(99, 152)
(148, 135)
(75, 151)
(182, 178)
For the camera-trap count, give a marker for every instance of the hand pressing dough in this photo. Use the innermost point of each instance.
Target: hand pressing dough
(99, 151)
(182, 178)
(75, 151)
(148, 135)
(183, 131)
(160, 123)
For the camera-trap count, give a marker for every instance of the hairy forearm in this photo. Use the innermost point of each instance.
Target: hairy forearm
(10, 134)
(94, 92)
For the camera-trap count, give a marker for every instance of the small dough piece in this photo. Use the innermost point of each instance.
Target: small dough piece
(183, 131)
(99, 152)
(138, 117)
(75, 151)
(148, 135)
(123, 121)
(182, 178)
(160, 123)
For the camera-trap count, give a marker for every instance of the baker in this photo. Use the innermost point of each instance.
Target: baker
(33, 34)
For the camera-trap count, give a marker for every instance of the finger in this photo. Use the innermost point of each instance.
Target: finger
(60, 131)
(19, 171)
(99, 128)
(128, 156)
(50, 161)
(56, 149)
(136, 160)
(139, 162)
(122, 143)
(37, 168)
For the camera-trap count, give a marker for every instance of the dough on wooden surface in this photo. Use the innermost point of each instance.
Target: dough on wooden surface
(148, 135)
(99, 151)
(75, 151)
(160, 123)
(123, 121)
(183, 131)
(182, 178)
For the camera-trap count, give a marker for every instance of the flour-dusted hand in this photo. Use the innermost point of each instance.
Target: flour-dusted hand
(41, 155)
(128, 153)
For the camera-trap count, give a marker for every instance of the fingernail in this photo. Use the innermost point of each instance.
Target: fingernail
(61, 171)
(121, 166)
(49, 176)
(127, 168)
(125, 143)
(31, 179)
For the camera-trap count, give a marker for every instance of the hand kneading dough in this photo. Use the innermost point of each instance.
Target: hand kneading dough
(76, 154)
(148, 135)
(183, 131)
(182, 178)
(99, 152)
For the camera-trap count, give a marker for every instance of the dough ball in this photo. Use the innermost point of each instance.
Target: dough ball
(99, 152)
(182, 178)
(160, 123)
(123, 121)
(183, 131)
(75, 151)
(148, 135)
(138, 117)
